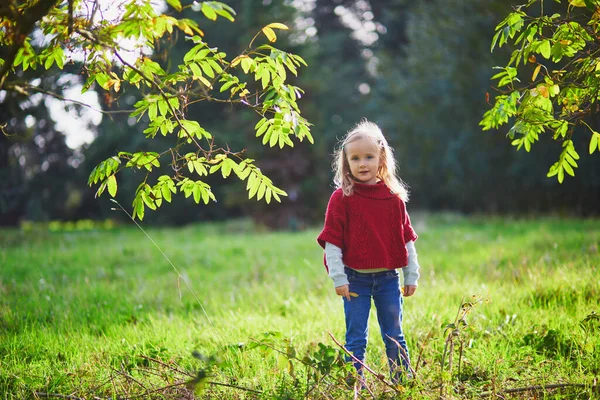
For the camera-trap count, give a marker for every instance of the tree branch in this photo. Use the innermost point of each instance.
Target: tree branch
(23, 88)
(24, 26)
(535, 388)
(378, 376)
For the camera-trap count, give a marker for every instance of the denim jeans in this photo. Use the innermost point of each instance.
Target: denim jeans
(384, 288)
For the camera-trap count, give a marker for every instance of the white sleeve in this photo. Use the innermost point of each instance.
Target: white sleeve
(333, 256)
(411, 271)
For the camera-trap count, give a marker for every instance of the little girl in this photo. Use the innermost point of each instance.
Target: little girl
(367, 236)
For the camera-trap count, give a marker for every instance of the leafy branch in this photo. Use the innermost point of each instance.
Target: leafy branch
(169, 94)
(563, 89)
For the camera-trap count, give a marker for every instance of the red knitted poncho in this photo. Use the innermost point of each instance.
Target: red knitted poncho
(371, 227)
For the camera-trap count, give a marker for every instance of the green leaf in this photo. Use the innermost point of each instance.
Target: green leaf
(226, 168)
(568, 168)
(162, 107)
(227, 85)
(166, 192)
(49, 61)
(208, 11)
(298, 59)
(189, 56)
(215, 168)
(102, 80)
(59, 57)
(265, 76)
(274, 138)
(200, 168)
(252, 185)
(268, 134)
(197, 193)
(561, 174)
(261, 191)
(206, 82)
(594, 142)
(148, 200)
(225, 14)
(269, 33)
(247, 64)
(263, 127)
(277, 25)
(571, 151)
(215, 66)
(577, 3)
(112, 185)
(260, 123)
(205, 195)
(207, 70)
(196, 72)
(545, 49)
(152, 111)
(101, 189)
(138, 207)
(176, 4)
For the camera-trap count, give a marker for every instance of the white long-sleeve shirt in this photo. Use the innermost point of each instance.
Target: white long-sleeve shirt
(333, 256)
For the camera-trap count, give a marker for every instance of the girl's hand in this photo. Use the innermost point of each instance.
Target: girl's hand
(409, 290)
(343, 291)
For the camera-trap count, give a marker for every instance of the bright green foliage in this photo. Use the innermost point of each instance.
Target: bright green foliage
(564, 51)
(257, 79)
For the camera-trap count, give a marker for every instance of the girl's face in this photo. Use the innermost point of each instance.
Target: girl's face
(364, 160)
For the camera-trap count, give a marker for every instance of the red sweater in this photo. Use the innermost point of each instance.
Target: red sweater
(371, 227)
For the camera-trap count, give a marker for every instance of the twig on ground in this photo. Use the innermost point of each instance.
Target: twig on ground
(364, 384)
(315, 385)
(100, 385)
(460, 355)
(129, 377)
(112, 381)
(172, 368)
(429, 336)
(404, 356)
(534, 388)
(160, 389)
(380, 377)
(235, 387)
(56, 395)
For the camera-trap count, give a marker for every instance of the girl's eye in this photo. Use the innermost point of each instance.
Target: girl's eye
(354, 158)
(369, 157)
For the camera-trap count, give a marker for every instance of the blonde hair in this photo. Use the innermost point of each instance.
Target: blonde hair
(387, 172)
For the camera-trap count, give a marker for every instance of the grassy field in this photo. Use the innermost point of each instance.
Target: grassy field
(103, 314)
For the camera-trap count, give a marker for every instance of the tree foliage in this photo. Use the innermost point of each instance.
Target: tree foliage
(561, 91)
(257, 79)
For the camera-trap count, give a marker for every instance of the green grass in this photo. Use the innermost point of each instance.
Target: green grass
(79, 309)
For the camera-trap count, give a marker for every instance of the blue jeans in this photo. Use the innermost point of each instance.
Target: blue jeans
(384, 288)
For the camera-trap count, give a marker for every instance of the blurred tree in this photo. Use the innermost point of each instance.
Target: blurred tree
(36, 165)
